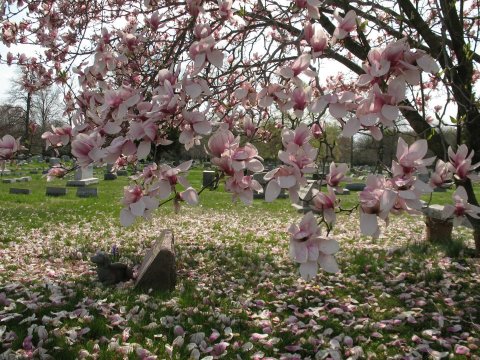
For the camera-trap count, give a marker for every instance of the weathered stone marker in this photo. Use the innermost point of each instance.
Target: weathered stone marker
(20, 191)
(158, 269)
(87, 192)
(109, 174)
(122, 173)
(208, 177)
(83, 177)
(9, 181)
(56, 191)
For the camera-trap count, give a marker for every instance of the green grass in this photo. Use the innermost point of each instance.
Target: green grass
(232, 272)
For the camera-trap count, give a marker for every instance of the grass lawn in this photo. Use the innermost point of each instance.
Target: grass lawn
(238, 294)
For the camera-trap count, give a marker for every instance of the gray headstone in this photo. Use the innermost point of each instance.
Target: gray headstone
(83, 177)
(56, 191)
(355, 186)
(20, 191)
(122, 172)
(24, 179)
(87, 192)
(259, 177)
(424, 177)
(65, 158)
(208, 177)
(158, 269)
(109, 174)
(53, 161)
(9, 181)
(84, 173)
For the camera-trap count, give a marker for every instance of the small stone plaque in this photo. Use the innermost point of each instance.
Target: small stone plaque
(344, 192)
(56, 191)
(158, 269)
(87, 192)
(20, 191)
(9, 181)
(122, 172)
(25, 179)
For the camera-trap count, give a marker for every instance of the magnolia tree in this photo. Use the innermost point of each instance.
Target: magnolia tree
(141, 75)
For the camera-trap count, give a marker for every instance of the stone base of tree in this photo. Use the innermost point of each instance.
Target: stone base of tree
(438, 230)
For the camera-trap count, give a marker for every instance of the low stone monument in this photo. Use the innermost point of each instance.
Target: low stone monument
(122, 172)
(158, 269)
(3, 168)
(85, 192)
(109, 174)
(83, 177)
(56, 191)
(20, 191)
(9, 181)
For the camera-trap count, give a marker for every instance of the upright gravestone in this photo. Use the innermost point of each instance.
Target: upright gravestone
(109, 174)
(53, 161)
(3, 168)
(20, 191)
(208, 178)
(56, 191)
(158, 269)
(83, 177)
(305, 195)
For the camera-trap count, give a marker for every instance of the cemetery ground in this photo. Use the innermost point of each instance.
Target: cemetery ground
(238, 295)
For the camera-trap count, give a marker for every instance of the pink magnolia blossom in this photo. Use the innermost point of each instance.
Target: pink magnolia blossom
(336, 175)
(316, 38)
(300, 99)
(317, 131)
(284, 177)
(58, 137)
(325, 203)
(245, 157)
(56, 172)
(221, 141)
(86, 148)
(242, 187)
(194, 124)
(345, 25)
(460, 163)
(461, 208)
(441, 174)
(311, 6)
(411, 158)
(169, 177)
(225, 9)
(310, 250)
(204, 49)
(300, 136)
(137, 204)
(299, 66)
(8, 147)
(375, 201)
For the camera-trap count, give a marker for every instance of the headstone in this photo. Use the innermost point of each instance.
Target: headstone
(424, 177)
(109, 175)
(355, 186)
(20, 191)
(65, 158)
(208, 178)
(83, 177)
(87, 192)
(158, 269)
(5, 172)
(9, 181)
(3, 168)
(56, 191)
(33, 172)
(305, 195)
(24, 179)
(53, 161)
(343, 192)
(122, 172)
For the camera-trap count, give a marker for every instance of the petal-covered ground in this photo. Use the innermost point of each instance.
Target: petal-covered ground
(238, 294)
